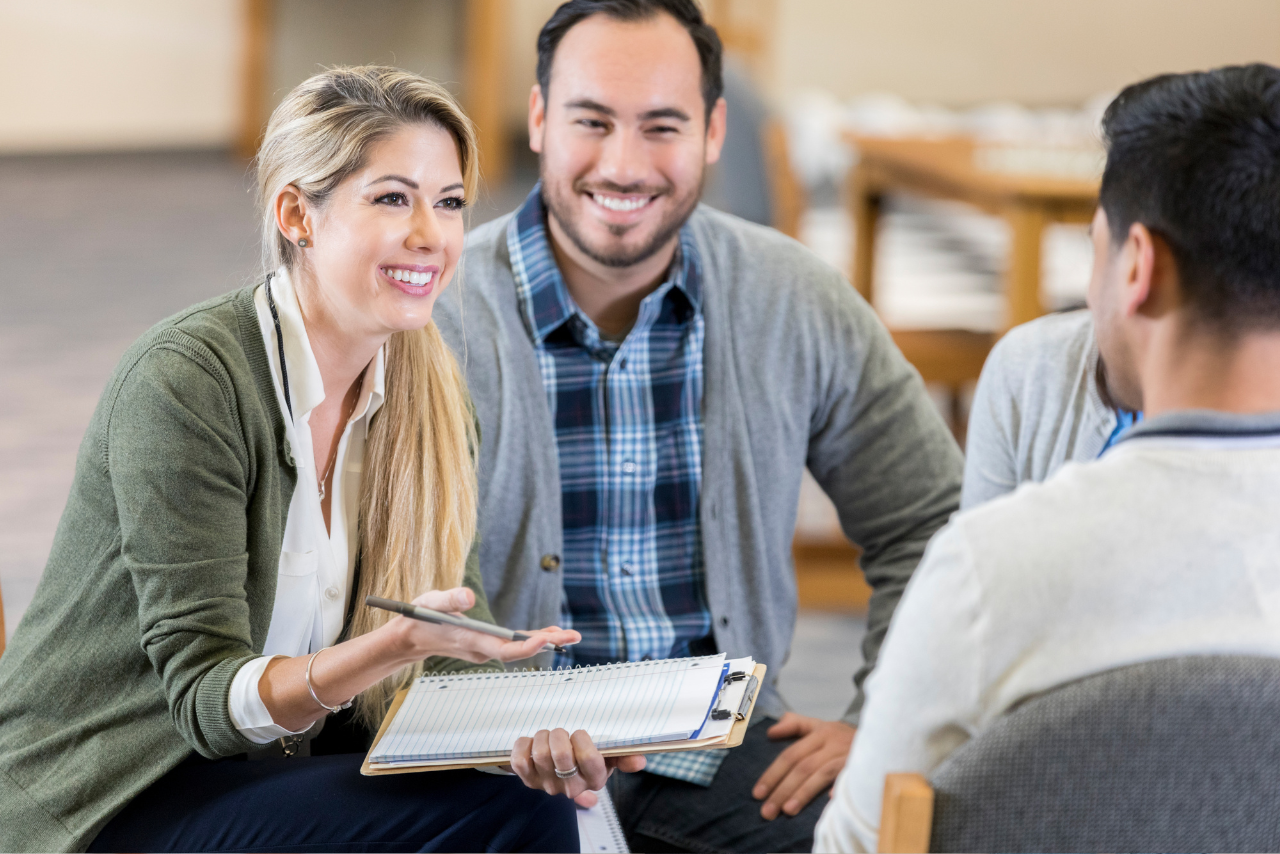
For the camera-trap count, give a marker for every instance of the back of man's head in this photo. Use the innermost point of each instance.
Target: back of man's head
(1196, 159)
(686, 12)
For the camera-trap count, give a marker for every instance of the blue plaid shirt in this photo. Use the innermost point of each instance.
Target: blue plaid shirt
(628, 424)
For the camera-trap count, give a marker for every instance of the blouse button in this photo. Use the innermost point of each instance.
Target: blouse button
(331, 593)
(550, 562)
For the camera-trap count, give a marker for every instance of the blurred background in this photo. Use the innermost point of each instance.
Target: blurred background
(943, 153)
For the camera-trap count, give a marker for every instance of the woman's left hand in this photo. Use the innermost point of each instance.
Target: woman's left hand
(537, 759)
(419, 640)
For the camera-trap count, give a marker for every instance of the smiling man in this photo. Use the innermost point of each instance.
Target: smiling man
(652, 377)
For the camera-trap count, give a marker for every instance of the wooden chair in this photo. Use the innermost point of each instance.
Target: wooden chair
(1180, 754)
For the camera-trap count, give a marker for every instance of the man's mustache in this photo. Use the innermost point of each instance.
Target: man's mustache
(620, 189)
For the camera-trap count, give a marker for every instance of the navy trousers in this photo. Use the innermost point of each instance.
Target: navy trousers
(322, 803)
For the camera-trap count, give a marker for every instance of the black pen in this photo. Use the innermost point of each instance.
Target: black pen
(427, 615)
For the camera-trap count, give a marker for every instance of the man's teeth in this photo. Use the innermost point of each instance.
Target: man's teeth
(614, 203)
(408, 276)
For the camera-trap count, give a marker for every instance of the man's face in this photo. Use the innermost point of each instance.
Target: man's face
(1105, 304)
(623, 137)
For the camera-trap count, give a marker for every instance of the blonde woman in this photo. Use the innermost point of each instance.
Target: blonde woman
(257, 465)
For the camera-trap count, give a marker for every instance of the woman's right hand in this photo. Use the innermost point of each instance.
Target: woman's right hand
(423, 640)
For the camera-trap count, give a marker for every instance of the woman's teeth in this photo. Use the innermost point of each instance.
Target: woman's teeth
(408, 276)
(614, 203)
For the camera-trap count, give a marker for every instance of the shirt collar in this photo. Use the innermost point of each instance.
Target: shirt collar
(1206, 424)
(544, 297)
(306, 386)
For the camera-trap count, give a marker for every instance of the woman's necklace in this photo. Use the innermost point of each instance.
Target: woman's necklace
(284, 376)
(348, 407)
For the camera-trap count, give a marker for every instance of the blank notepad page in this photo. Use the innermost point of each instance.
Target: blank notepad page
(481, 715)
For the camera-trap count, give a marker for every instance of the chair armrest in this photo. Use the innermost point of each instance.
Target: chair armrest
(906, 818)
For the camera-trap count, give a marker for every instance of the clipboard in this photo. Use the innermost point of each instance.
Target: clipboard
(736, 733)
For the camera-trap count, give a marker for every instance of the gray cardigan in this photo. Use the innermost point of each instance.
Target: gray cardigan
(798, 372)
(1037, 407)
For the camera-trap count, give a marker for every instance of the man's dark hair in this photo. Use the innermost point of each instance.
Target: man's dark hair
(686, 12)
(1196, 159)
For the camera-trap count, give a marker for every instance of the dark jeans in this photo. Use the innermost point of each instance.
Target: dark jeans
(322, 803)
(660, 814)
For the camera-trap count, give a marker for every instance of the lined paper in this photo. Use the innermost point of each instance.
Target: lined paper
(481, 715)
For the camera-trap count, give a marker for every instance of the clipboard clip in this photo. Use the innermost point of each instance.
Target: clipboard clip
(719, 714)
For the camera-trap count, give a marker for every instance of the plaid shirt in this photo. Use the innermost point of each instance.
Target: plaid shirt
(628, 424)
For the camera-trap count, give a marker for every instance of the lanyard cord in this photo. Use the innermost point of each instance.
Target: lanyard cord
(284, 372)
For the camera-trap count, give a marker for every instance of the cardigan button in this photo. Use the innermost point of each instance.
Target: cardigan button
(550, 562)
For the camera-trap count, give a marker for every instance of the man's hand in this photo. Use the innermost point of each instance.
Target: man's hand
(804, 769)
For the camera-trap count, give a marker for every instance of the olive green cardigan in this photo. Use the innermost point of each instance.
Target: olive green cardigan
(160, 584)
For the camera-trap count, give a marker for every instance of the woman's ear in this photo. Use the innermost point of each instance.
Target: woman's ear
(293, 217)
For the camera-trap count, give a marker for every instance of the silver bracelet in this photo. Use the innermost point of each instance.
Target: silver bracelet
(311, 688)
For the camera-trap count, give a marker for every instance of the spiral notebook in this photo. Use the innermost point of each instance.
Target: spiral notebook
(599, 830)
(471, 720)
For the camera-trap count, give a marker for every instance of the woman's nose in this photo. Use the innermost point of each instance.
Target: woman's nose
(427, 233)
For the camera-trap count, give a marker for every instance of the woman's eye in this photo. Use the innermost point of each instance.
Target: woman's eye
(453, 203)
(392, 199)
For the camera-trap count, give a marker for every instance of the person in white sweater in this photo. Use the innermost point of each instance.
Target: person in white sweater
(1167, 545)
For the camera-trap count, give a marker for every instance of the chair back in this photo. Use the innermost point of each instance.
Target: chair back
(1181, 754)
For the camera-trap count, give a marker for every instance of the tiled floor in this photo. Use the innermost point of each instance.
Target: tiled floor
(95, 249)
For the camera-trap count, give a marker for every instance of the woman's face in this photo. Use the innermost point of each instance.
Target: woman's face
(388, 240)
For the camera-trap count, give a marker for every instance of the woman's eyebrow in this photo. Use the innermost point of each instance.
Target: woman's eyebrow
(400, 178)
(450, 188)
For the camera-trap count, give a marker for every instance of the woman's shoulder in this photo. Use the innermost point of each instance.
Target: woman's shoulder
(220, 334)
(208, 354)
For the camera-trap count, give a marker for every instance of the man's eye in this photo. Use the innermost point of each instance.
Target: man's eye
(454, 203)
(663, 129)
(593, 124)
(392, 199)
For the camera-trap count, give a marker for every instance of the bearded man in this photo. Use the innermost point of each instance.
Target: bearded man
(651, 378)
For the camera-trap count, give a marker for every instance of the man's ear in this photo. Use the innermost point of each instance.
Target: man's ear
(537, 118)
(716, 125)
(1139, 260)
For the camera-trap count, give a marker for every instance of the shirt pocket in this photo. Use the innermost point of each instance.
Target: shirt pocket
(294, 613)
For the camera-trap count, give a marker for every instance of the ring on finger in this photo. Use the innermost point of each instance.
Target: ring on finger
(565, 775)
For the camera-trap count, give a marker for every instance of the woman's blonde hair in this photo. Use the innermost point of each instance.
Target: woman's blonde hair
(418, 496)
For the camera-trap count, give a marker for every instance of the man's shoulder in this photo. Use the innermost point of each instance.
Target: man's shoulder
(486, 248)
(735, 241)
(1053, 522)
(769, 273)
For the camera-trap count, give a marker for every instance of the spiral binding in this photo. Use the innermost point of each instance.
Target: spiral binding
(433, 675)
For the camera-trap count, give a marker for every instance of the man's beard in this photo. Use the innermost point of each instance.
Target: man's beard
(562, 209)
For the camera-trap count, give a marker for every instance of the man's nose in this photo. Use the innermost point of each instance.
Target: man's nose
(624, 160)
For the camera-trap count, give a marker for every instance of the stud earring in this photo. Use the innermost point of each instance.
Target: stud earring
(303, 243)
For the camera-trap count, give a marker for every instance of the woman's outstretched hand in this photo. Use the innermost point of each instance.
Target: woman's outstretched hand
(424, 640)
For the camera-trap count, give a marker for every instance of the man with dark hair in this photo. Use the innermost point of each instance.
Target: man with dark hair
(1165, 547)
(651, 378)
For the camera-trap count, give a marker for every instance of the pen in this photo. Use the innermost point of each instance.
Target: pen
(429, 616)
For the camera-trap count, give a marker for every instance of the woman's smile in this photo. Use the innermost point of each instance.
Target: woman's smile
(414, 279)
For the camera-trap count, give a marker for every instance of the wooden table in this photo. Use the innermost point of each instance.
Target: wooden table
(948, 169)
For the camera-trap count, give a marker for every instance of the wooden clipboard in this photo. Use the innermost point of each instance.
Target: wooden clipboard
(736, 733)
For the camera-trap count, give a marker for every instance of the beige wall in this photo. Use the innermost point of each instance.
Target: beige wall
(114, 74)
(1039, 52)
(105, 74)
(418, 35)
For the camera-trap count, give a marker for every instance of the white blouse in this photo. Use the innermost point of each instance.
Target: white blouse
(316, 566)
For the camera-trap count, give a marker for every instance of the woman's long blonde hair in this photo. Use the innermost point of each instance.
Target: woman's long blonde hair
(418, 496)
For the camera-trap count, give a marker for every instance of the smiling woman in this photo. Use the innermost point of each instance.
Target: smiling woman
(259, 464)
